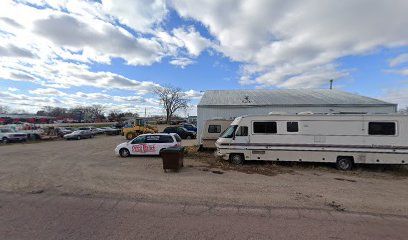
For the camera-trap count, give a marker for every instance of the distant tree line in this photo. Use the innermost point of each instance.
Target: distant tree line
(85, 113)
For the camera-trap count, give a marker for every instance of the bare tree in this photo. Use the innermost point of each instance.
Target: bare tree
(173, 99)
(96, 111)
(4, 109)
(53, 111)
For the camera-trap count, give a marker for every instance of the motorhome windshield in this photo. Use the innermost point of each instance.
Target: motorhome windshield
(229, 133)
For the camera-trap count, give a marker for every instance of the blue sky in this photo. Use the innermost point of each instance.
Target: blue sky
(114, 53)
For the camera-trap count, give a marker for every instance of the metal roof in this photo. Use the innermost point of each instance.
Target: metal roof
(284, 97)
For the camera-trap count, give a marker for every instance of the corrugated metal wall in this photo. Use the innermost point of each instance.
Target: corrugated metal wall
(206, 113)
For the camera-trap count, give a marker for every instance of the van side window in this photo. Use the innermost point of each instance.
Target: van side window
(381, 128)
(152, 139)
(292, 127)
(265, 127)
(166, 139)
(242, 131)
(140, 139)
(214, 128)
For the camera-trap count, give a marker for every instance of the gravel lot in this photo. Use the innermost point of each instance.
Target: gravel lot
(89, 167)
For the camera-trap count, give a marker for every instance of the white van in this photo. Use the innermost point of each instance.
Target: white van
(341, 139)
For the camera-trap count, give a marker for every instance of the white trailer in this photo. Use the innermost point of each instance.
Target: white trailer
(342, 139)
(211, 131)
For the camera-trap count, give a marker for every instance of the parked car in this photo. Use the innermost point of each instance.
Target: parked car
(93, 130)
(189, 127)
(63, 131)
(148, 144)
(182, 132)
(79, 134)
(100, 130)
(8, 135)
(112, 131)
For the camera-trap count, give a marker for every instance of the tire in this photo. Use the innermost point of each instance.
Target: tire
(344, 163)
(124, 152)
(188, 137)
(130, 135)
(78, 138)
(4, 140)
(237, 159)
(91, 136)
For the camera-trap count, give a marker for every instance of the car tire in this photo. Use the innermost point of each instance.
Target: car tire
(5, 140)
(124, 152)
(344, 163)
(188, 137)
(91, 136)
(237, 159)
(78, 138)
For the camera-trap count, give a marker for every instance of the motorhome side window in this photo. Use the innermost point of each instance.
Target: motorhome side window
(214, 128)
(292, 127)
(381, 128)
(265, 127)
(242, 131)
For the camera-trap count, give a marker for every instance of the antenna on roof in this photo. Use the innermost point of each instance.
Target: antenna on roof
(246, 99)
(331, 84)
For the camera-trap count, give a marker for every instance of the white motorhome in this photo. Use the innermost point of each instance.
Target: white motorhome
(342, 139)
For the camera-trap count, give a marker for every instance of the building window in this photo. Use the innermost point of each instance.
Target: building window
(265, 127)
(242, 131)
(381, 128)
(292, 127)
(214, 128)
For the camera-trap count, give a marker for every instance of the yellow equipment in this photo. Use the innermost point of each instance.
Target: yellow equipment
(140, 127)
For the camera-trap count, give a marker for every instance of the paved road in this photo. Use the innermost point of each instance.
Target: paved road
(41, 216)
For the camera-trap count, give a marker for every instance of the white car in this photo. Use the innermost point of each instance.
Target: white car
(7, 135)
(148, 144)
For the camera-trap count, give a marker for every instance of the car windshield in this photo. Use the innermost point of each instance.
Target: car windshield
(77, 132)
(229, 133)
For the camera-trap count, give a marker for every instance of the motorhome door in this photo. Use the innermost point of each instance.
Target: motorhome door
(241, 135)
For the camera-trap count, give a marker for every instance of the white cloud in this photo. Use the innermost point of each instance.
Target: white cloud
(398, 60)
(95, 37)
(13, 89)
(141, 15)
(61, 74)
(191, 40)
(279, 39)
(193, 94)
(182, 62)
(47, 91)
(399, 96)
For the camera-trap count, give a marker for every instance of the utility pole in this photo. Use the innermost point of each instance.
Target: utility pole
(331, 84)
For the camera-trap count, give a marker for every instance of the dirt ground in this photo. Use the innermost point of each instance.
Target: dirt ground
(89, 167)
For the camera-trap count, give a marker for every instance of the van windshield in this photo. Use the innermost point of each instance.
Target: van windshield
(229, 133)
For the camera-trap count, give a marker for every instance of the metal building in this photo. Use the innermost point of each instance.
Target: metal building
(229, 104)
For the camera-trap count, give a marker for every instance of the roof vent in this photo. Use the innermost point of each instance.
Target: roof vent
(306, 113)
(277, 113)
